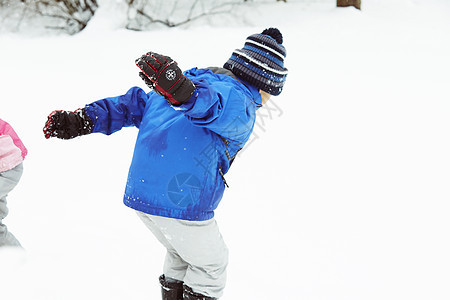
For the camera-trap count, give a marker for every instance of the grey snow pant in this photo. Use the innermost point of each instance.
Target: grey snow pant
(196, 253)
(8, 180)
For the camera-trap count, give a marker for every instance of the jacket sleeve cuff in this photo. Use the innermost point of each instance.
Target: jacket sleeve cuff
(188, 104)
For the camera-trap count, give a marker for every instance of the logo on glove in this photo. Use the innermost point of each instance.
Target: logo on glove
(171, 74)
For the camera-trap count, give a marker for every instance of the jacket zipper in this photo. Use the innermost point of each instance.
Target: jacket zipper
(223, 177)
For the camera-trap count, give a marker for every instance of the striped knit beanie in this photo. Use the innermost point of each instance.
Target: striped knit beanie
(261, 61)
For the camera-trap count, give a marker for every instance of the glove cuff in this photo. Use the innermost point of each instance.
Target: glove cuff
(183, 93)
(86, 123)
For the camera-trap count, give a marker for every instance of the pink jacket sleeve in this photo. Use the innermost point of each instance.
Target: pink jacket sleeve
(12, 150)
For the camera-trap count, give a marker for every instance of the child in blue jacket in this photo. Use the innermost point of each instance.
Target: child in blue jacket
(184, 148)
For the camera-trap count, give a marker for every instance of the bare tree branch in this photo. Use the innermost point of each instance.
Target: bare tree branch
(70, 16)
(144, 13)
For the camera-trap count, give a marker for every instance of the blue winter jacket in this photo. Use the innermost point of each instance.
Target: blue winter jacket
(181, 153)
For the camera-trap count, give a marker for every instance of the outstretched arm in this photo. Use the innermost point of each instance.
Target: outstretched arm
(106, 116)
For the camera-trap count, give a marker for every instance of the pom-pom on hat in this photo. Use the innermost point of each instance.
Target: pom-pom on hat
(261, 61)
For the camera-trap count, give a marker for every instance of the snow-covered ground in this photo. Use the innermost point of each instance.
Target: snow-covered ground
(344, 192)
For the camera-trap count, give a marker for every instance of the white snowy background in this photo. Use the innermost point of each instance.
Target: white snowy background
(343, 194)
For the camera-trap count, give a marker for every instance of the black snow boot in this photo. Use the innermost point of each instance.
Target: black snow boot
(189, 294)
(171, 289)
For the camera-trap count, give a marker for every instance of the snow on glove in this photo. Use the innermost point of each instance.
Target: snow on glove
(162, 74)
(67, 124)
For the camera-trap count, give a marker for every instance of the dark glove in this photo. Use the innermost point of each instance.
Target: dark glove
(162, 74)
(67, 124)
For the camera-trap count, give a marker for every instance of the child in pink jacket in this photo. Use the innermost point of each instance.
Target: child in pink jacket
(12, 154)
